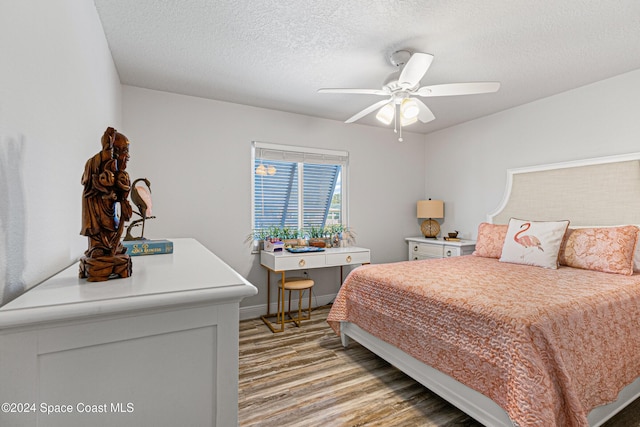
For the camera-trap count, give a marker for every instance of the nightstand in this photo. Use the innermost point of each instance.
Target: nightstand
(422, 248)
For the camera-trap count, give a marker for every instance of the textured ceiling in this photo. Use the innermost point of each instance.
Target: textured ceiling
(276, 54)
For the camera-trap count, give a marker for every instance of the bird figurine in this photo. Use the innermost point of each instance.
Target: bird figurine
(528, 241)
(141, 197)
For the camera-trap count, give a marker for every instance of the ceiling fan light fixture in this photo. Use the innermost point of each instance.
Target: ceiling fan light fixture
(386, 113)
(410, 109)
(406, 122)
(403, 91)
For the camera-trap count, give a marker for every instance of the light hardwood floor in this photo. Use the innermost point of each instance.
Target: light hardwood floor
(304, 377)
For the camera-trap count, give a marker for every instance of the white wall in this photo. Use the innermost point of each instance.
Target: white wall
(466, 164)
(197, 155)
(59, 90)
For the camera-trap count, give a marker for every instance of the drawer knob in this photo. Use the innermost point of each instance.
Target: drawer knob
(448, 253)
(348, 258)
(301, 263)
(415, 248)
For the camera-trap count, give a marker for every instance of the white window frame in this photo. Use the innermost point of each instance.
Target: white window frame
(291, 153)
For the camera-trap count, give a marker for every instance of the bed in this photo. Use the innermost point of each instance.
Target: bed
(513, 344)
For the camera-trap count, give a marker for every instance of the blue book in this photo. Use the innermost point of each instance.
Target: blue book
(148, 247)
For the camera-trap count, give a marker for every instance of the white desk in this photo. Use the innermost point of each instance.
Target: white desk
(283, 261)
(157, 348)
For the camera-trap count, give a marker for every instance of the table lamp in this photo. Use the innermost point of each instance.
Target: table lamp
(430, 209)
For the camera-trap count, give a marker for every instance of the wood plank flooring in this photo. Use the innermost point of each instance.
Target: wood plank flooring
(304, 377)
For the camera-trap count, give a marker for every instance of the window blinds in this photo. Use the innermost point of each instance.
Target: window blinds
(300, 193)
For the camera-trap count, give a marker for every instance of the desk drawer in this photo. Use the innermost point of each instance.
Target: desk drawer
(299, 262)
(348, 258)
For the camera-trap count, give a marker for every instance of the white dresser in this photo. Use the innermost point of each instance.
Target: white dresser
(423, 248)
(157, 348)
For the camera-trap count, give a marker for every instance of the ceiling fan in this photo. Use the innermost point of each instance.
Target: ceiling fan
(403, 87)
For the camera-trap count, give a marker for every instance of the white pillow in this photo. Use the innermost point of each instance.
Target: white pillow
(533, 242)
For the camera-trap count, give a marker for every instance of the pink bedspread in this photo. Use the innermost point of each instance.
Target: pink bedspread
(546, 345)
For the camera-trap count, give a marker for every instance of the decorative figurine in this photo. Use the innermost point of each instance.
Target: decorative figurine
(105, 209)
(141, 197)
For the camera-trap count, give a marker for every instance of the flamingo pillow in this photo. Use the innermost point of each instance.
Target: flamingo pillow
(533, 242)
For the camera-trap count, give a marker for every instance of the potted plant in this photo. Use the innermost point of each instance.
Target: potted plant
(342, 236)
(334, 232)
(257, 238)
(289, 236)
(316, 237)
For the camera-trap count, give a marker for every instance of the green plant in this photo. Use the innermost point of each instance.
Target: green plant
(315, 232)
(257, 234)
(335, 229)
(274, 232)
(344, 234)
(289, 233)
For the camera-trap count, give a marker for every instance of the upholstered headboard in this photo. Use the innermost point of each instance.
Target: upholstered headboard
(593, 192)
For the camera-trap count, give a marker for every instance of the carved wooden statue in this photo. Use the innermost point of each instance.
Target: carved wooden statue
(105, 209)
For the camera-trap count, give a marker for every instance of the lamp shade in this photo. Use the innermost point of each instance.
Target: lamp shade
(386, 113)
(407, 122)
(410, 108)
(430, 209)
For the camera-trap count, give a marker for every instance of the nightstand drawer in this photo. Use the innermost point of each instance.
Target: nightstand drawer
(449, 251)
(423, 248)
(426, 250)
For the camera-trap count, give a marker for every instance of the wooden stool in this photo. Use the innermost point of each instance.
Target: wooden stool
(299, 284)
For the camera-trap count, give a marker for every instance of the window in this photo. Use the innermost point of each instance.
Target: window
(297, 188)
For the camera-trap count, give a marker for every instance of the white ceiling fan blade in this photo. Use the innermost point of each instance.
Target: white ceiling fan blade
(356, 91)
(451, 89)
(425, 115)
(367, 110)
(414, 69)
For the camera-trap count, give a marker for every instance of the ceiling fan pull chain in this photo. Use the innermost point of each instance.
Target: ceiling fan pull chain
(395, 121)
(396, 116)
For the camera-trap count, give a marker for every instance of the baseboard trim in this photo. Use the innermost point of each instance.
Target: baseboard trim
(255, 311)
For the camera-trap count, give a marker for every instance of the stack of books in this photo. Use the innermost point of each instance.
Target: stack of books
(148, 247)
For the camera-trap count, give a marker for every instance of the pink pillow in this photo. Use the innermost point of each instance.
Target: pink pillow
(606, 249)
(490, 240)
